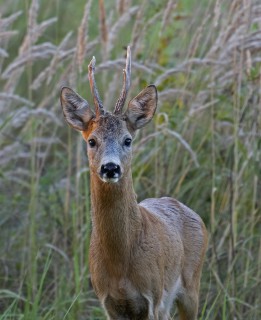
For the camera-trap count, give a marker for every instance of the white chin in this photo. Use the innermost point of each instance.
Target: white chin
(110, 180)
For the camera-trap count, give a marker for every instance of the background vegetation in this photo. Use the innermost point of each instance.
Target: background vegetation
(203, 147)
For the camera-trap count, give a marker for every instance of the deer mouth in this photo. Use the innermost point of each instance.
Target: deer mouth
(110, 180)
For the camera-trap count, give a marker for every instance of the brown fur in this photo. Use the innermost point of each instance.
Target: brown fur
(135, 251)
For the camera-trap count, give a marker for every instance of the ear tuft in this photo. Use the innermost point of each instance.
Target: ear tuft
(76, 110)
(141, 109)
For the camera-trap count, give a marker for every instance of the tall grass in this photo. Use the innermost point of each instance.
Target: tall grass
(203, 147)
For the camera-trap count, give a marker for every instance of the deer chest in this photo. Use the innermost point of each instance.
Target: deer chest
(123, 300)
(130, 308)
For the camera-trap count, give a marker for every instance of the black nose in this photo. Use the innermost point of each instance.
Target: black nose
(110, 170)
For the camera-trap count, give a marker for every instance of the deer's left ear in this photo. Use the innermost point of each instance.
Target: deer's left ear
(142, 108)
(76, 110)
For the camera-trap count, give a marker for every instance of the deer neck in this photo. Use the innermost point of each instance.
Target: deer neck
(116, 217)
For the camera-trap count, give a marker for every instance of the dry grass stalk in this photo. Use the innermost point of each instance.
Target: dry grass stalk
(31, 25)
(235, 38)
(34, 34)
(8, 150)
(14, 98)
(7, 34)
(115, 29)
(22, 115)
(195, 109)
(230, 30)
(13, 152)
(40, 29)
(197, 37)
(103, 24)
(186, 67)
(6, 22)
(120, 63)
(82, 36)
(3, 53)
(12, 81)
(58, 57)
(216, 14)
(168, 12)
(184, 143)
(41, 51)
(111, 92)
(123, 5)
(45, 141)
(136, 29)
(140, 45)
(140, 143)
(26, 53)
(172, 94)
(248, 62)
(47, 115)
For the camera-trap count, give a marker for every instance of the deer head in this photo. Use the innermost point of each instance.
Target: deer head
(109, 135)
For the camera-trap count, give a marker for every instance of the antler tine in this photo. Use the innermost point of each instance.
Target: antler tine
(126, 83)
(96, 98)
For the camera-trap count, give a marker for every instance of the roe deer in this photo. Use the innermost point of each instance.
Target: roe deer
(143, 256)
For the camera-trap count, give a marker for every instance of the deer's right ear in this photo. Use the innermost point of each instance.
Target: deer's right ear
(142, 108)
(76, 110)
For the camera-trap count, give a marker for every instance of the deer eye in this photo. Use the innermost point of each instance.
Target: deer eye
(127, 142)
(92, 143)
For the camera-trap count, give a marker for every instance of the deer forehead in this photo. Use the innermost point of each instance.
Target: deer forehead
(107, 126)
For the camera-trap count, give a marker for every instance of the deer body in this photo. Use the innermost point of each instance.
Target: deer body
(144, 256)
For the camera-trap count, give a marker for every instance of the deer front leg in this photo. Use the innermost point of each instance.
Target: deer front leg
(188, 305)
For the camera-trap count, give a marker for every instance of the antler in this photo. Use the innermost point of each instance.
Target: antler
(96, 98)
(126, 83)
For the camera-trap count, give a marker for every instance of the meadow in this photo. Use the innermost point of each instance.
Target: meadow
(203, 146)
